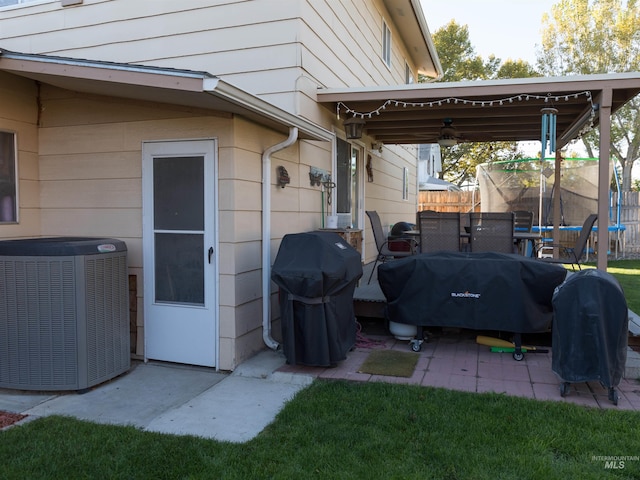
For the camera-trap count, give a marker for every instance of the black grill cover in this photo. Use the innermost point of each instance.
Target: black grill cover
(590, 329)
(482, 291)
(317, 273)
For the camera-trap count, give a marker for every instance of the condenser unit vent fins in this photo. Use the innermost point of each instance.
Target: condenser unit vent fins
(64, 313)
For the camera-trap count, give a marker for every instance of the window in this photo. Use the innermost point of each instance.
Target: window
(405, 183)
(386, 44)
(7, 177)
(8, 3)
(408, 74)
(348, 190)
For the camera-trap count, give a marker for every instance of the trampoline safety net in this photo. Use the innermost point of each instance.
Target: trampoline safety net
(528, 184)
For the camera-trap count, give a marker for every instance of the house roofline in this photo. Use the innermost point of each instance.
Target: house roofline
(152, 83)
(409, 17)
(417, 7)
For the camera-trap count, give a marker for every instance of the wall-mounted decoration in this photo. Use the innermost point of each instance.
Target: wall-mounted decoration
(318, 176)
(369, 169)
(283, 176)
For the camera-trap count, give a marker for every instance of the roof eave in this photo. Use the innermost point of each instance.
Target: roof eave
(415, 34)
(164, 85)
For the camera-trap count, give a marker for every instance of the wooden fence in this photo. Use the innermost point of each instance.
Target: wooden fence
(449, 201)
(630, 218)
(470, 201)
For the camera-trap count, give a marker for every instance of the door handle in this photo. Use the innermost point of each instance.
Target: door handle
(210, 253)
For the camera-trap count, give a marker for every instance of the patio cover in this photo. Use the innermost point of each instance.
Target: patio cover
(493, 110)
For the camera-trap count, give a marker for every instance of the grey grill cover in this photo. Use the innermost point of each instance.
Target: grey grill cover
(482, 291)
(317, 274)
(590, 329)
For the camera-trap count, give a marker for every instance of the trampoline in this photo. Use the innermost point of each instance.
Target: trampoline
(529, 184)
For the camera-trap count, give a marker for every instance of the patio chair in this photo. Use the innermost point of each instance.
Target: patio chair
(522, 220)
(439, 231)
(571, 255)
(382, 243)
(491, 232)
(523, 223)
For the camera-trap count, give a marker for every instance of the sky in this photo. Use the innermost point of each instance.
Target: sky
(505, 28)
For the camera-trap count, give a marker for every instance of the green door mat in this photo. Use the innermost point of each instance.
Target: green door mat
(390, 362)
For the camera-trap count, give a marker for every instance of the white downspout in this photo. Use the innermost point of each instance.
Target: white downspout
(266, 235)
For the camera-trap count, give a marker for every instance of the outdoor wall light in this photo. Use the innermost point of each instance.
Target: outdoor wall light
(377, 146)
(353, 128)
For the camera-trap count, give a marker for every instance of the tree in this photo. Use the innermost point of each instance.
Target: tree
(459, 63)
(460, 161)
(458, 57)
(599, 36)
(516, 69)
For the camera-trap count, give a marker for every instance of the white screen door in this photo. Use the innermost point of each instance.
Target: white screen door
(180, 251)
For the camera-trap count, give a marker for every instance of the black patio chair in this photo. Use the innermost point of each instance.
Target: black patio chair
(439, 231)
(382, 243)
(491, 232)
(571, 255)
(522, 220)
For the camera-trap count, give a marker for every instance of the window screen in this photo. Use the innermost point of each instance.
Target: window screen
(386, 44)
(8, 209)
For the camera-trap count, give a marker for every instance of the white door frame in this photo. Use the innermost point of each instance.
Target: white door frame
(176, 148)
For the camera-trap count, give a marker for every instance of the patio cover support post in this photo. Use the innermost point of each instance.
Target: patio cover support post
(604, 177)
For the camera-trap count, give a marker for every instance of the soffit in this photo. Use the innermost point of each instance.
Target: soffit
(412, 27)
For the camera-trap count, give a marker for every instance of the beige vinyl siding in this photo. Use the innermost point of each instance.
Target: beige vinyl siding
(90, 184)
(19, 114)
(336, 42)
(282, 50)
(342, 44)
(84, 165)
(152, 31)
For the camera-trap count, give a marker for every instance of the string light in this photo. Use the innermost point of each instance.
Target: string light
(464, 101)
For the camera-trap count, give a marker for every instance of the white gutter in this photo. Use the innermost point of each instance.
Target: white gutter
(158, 84)
(266, 235)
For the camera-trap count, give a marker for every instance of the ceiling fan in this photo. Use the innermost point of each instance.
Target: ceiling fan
(448, 134)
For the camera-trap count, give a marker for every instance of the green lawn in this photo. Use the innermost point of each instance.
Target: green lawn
(342, 430)
(627, 272)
